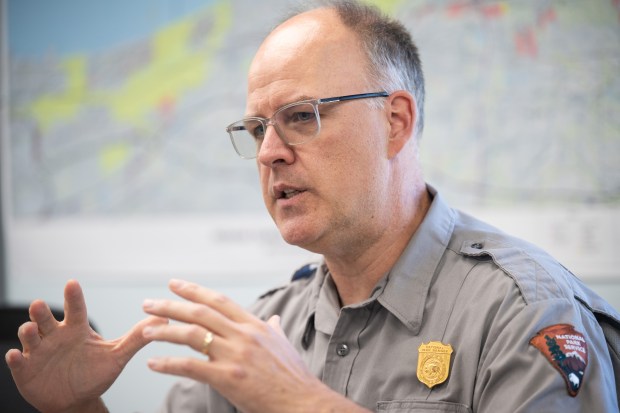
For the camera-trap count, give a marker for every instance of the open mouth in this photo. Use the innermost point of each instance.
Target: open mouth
(289, 193)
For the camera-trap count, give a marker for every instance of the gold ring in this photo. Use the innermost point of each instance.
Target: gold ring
(207, 342)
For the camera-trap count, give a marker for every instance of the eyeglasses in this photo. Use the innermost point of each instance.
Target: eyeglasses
(295, 123)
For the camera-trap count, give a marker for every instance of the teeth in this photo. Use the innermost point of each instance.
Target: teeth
(289, 193)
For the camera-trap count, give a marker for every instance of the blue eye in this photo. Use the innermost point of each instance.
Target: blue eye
(258, 132)
(303, 116)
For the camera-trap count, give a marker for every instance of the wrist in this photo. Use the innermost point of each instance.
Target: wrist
(326, 400)
(91, 406)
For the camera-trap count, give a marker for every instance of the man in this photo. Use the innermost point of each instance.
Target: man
(415, 307)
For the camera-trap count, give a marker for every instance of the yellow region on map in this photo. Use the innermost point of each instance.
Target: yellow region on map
(49, 108)
(387, 6)
(176, 66)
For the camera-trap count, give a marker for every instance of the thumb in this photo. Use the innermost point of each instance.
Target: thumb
(134, 340)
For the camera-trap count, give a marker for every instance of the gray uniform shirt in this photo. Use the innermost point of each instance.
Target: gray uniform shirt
(460, 283)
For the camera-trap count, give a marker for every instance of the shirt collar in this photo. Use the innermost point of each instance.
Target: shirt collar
(327, 304)
(404, 290)
(409, 281)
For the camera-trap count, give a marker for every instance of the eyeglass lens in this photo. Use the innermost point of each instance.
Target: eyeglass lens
(295, 124)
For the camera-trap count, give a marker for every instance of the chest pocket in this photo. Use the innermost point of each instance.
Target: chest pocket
(421, 406)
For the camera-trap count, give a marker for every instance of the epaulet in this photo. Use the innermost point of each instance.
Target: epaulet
(271, 292)
(307, 271)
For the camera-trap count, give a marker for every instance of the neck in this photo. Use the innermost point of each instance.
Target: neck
(357, 271)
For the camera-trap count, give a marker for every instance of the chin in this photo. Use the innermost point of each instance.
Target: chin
(296, 233)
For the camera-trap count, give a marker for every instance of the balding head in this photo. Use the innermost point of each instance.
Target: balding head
(317, 52)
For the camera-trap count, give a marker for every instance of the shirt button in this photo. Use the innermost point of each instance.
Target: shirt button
(342, 350)
(477, 245)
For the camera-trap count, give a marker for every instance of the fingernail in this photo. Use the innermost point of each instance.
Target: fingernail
(148, 303)
(153, 363)
(174, 283)
(148, 331)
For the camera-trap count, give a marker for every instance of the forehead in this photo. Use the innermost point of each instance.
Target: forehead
(311, 55)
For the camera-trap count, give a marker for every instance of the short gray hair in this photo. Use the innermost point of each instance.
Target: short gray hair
(394, 61)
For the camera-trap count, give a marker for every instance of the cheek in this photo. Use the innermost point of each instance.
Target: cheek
(364, 166)
(263, 176)
(365, 135)
(350, 174)
(350, 149)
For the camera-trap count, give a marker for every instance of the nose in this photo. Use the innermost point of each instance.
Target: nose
(274, 150)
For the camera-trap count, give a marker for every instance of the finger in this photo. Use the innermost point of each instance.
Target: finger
(41, 314)
(201, 370)
(219, 302)
(189, 334)
(28, 334)
(134, 340)
(274, 322)
(75, 305)
(15, 359)
(192, 313)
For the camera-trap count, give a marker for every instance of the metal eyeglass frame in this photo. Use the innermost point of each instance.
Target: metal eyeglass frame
(265, 122)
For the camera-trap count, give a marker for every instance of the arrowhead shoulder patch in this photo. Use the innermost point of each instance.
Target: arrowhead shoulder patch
(566, 349)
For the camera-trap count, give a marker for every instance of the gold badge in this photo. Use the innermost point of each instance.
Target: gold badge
(433, 362)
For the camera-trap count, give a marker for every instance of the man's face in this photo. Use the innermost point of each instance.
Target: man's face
(325, 195)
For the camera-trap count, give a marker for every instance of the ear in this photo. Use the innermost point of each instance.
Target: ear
(402, 115)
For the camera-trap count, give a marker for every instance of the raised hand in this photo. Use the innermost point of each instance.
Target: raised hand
(250, 362)
(65, 366)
